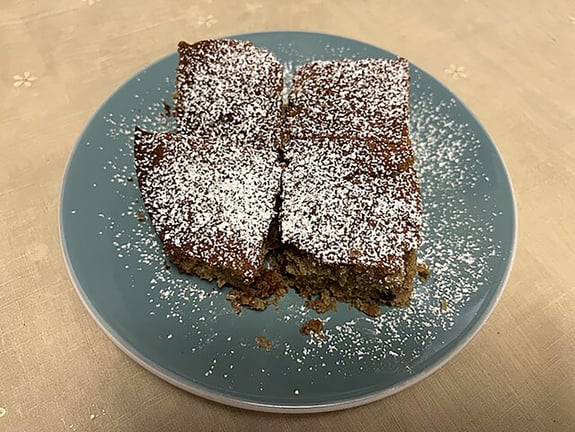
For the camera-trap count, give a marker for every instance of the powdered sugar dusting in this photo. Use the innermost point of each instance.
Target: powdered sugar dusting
(169, 295)
(210, 190)
(192, 319)
(441, 145)
(363, 99)
(337, 198)
(348, 126)
(454, 246)
(288, 70)
(229, 87)
(458, 262)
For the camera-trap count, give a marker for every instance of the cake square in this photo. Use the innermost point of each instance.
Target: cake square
(229, 87)
(365, 99)
(350, 230)
(210, 202)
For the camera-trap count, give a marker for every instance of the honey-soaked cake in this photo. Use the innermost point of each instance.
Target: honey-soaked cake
(365, 99)
(351, 205)
(229, 87)
(211, 202)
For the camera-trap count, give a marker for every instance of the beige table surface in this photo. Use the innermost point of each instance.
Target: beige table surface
(515, 63)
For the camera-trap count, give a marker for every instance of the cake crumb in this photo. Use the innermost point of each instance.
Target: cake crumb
(322, 303)
(313, 326)
(368, 307)
(264, 342)
(423, 271)
(267, 289)
(167, 109)
(444, 305)
(354, 253)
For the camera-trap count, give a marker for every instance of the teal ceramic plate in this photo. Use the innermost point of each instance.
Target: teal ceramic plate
(183, 329)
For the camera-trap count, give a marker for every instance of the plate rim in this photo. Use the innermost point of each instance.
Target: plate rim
(199, 390)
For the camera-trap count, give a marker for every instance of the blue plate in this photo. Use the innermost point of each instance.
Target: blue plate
(183, 329)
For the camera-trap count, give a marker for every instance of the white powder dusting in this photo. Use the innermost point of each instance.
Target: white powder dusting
(454, 247)
(288, 70)
(327, 214)
(347, 121)
(362, 99)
